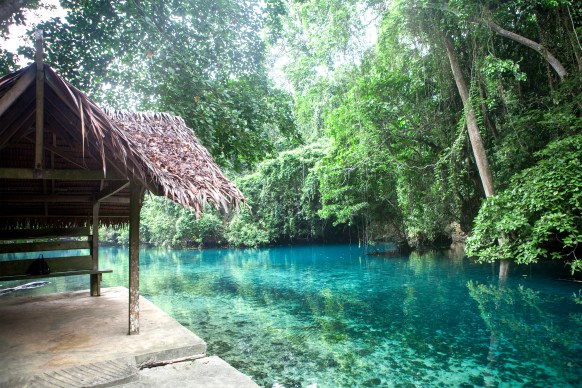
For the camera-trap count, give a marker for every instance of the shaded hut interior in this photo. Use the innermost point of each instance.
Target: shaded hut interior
(67, 166)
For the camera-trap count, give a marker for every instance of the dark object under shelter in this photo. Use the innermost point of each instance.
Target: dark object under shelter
(66, 165)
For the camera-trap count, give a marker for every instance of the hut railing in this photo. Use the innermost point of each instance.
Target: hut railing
(34, 242)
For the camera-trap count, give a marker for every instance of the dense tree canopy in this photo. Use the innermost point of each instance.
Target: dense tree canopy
(378, 136)
(12, 12)
(201, 60)
(400, 153)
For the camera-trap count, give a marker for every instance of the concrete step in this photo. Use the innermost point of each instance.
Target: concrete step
(207, 372)
(98, 374)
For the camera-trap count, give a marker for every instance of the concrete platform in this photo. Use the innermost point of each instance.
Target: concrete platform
(73, 339)
(205, 372)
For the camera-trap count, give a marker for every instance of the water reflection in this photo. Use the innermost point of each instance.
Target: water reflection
(334, 316)
(526, 324)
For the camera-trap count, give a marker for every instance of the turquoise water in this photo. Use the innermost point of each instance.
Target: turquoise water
(334, 317)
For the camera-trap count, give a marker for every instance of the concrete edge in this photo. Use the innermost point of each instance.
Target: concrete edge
(170, 355)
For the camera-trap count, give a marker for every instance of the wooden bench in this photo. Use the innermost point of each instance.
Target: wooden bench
(65, 239)
(59, 266)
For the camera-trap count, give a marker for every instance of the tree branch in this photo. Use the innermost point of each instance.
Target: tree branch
(548, 56)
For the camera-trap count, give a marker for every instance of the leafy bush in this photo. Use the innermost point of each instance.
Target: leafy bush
(208, 229)
(242, 232)
(164, 222)
(158, 220)
(118, 235)
(284, 197)
(539, 214)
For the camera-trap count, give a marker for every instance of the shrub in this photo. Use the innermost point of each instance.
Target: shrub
(539, 214)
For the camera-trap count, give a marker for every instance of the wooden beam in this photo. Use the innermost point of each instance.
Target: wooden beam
(67, 136)
(39, 145)
(112, 189)
(68, 99)
(29, 234)
(15, 119)
(54, 146)
(55, 274)
(21, 128)
(134, 211)
(44, 246)
(68, 124)
(60, 198)
(65, 154)
(56, 264)
(66, 175)
(17, 89)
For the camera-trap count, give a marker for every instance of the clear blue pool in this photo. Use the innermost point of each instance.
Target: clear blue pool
(335, 317)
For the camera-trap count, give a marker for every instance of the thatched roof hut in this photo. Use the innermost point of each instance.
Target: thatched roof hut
(66, 165)
(157, 149)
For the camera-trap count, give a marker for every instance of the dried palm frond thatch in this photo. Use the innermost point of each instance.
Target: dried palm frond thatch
(175, 159)
(157, 149)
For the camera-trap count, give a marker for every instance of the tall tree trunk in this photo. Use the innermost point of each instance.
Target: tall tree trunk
(476, 142)
(548, 56)
(474, 134)
(503, 271)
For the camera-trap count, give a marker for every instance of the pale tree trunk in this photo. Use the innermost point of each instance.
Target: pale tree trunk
(548, 56)
(474, 134)
(503, 270)
(476, 140)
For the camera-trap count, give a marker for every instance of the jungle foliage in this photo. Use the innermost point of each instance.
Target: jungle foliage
(283, 207)
(399, 151)
(540, 211)
(367, 137)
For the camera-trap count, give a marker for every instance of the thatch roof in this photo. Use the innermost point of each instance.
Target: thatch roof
(156, 149)
(176, 160)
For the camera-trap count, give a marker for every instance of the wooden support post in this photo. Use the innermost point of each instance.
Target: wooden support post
(44, 246)
(39, 146)
(134, 210)
(35, 234)
(95, 278)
